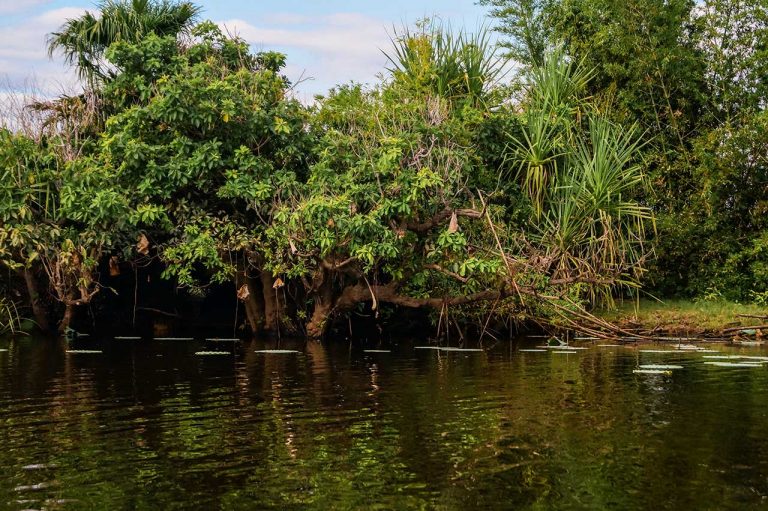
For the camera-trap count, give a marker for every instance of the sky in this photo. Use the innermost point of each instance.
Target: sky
(327, 41)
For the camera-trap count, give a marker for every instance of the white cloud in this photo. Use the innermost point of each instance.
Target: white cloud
(330, 49)
(16, 6)
(24, 55)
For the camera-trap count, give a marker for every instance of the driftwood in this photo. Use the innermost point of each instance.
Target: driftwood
(749, 327)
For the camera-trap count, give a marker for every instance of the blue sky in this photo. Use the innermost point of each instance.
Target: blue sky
(329, 41)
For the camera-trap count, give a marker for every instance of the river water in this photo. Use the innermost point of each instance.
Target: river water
(151, 425)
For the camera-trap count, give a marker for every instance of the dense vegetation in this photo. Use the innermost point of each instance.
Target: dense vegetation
(443, 188)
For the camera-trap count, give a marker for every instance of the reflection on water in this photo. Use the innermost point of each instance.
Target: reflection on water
(150, 425)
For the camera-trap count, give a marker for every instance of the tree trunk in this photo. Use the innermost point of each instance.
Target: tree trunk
(66, 320)
(253, 302)
(273, 304)
(321, 315)
(39, 310)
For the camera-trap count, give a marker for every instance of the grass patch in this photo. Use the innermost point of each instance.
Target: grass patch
(685, 315)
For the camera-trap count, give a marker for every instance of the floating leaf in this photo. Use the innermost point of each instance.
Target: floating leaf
(39, 466)
(733, 364)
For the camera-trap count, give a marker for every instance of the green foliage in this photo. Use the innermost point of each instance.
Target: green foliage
(733, 37)
(528, 35)
(386, 162)
(726, 219)
(29, 205)
(204, 134)
(692, 76)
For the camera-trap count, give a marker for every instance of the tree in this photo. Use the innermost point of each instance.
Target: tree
(733, 36)
(202, 143)
(526, 27)
(454, 65)
(40, 238)
(84, 40)
(402, 209)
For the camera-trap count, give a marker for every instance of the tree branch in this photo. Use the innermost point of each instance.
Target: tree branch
(440, 218)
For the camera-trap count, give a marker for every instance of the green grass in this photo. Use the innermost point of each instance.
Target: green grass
(677, 315)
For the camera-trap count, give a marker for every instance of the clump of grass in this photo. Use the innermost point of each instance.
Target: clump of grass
(686, 315)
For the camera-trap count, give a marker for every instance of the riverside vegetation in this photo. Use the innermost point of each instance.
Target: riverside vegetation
(628, 150)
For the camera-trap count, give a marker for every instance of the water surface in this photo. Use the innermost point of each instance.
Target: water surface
(152, 425)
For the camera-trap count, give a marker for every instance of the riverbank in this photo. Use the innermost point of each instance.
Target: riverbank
(686, 317)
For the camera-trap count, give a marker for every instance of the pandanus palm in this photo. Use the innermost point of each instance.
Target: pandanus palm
(84, 40)
(582, 173)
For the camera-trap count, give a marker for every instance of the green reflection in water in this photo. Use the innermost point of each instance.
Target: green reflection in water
(152, 426)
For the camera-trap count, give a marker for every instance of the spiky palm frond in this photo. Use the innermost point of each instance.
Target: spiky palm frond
(558, 83)
(554, 104)
(449, 64)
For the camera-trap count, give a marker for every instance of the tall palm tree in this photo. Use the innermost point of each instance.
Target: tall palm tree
(84, 40)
